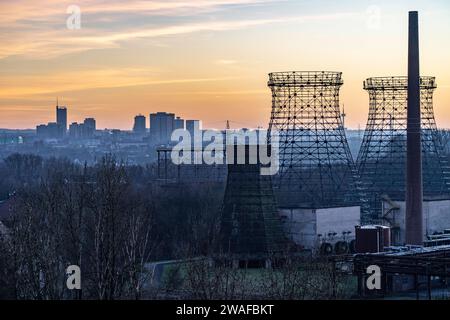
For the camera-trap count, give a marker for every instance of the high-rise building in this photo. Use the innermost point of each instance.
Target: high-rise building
(193, 126)
(53, 130)
(41, 131)
(83, 130)
(48, 131)
(61, 120)
(161, 127)
(75, 130)
(178, 123)
(89, 127)
(139, 124)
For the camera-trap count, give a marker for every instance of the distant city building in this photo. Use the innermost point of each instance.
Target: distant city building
(83, 130)
(193, 126)
(162, 125)
(41, 131)
(116, 133)
(48, 131)
(89, 127)
(75, 130)
(61, 120)
(53, 130)
(139, 124)
(178, 123)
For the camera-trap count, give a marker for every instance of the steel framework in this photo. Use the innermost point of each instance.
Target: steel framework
(434, 262)
(316, 166)
(250, 225)
(382, 158)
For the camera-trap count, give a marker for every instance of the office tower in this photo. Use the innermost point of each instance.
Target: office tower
(193, 126)
(89, 127)
(76, 130)
(139, 125)
(161, 127)
(83, 130)
(41, 131)
(178, 123)
(61, 120)
(53, 130)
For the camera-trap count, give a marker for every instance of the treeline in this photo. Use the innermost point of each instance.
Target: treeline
(109, 219)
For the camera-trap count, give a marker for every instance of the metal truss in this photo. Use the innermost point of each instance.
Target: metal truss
(316, 166)
(382, 157)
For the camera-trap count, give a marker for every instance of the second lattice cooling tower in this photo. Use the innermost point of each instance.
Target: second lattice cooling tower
(382, 157)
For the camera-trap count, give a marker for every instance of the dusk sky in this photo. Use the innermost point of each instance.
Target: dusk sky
(205, 59)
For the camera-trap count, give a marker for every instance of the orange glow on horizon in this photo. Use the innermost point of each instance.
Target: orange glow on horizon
(204, 60)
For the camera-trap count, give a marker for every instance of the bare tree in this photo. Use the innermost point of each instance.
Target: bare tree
(138, 247)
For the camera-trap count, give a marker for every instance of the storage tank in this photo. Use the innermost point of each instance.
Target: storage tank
(372, 238)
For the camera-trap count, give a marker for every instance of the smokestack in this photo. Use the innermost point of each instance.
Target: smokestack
(414, 193)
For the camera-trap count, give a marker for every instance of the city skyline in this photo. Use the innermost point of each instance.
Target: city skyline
(205, 60)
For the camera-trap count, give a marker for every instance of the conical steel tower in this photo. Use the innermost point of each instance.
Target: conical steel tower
(251, 228)
(382, 158)
(316, 166)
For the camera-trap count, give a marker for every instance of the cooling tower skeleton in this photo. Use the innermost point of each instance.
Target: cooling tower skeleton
(382, 157)
(316, 166)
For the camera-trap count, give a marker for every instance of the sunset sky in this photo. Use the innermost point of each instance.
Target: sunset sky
(204, 59)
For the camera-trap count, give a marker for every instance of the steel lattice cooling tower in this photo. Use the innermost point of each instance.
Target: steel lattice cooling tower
(251, 228)
(382, 157)
(316, 166)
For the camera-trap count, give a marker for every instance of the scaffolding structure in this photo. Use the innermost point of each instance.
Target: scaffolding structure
(382, 158)
(316, 167)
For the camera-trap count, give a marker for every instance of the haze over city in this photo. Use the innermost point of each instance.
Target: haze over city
(205, 60)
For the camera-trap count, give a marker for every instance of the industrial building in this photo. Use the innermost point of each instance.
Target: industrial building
(324, 230)
(436, 218)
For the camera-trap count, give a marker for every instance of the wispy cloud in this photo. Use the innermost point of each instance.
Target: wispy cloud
(47, 36)
(22, 10)
(87, 80)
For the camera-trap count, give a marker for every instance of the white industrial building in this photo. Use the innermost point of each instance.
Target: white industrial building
(311, 228)
(436, 217)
